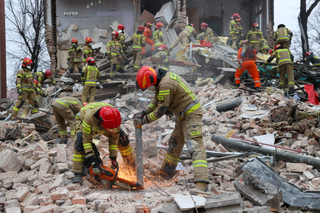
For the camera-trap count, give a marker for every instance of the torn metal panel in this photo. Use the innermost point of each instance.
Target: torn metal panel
(166, 13)
(291, 194)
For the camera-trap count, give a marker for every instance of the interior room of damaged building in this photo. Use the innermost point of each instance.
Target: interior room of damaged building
(177, 134)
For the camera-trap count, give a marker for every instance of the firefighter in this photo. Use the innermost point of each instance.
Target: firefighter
(75, 56)
(25, 88)
(310, 57)
(246, 60)
(93, 119)
(148, 37)
(265, 47)
(42, 76)
(234, 30)
(89, 76)
(254, 37)
(38, 91)
(65, 109)
(158, 36)
(207, 30)
(173, 94)
(163, 55)
(185, 36)
(240, 34)
(284, 59)
(87, 50)
(138, 42)
(282, 36)
(122, 64)
(115, 53)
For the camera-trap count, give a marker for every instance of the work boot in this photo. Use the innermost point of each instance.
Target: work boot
(201, 187)
(162, 174)
(258, 89)
(63, 141)
(77, 179)
(237, 86)
(291, 88)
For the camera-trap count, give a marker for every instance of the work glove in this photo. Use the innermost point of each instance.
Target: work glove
(237, 85)
(138, 122)
(108, 56)
(140, 114)
(114, 163)
(95, 165)
(264, 66)
(19, 91)
(74, 46)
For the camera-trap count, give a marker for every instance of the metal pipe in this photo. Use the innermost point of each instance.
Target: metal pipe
(139, 156)
(279, 155)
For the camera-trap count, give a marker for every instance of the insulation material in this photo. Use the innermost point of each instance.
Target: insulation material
(265, 57)
(114, 26)
(166, 13)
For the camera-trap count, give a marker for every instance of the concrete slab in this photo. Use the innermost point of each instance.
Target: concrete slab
(185, 202)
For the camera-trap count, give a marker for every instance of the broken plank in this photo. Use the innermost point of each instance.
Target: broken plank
(173, 62)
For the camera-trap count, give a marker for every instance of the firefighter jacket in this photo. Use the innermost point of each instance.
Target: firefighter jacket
(254, 36)
(246, 55)
(87, 52)
(75, 55)
(282, 55)
(189, 31)
(158, 38)
(90, 126)
(65, 103)
(283, 34)
(315, 60)
(147, 32)
(114, 48)
(39, 91)
(162, 54)
(25, 80)
(208, 32)
(40, 76)
(240, 30)
(233, 27)
(122, 39)
(173, 93)
(90, 75)
(138, 41)
(265, 45)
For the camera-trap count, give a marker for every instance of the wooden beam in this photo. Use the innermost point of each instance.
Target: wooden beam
(155, 60)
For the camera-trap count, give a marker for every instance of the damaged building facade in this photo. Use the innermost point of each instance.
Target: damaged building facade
(97, 19)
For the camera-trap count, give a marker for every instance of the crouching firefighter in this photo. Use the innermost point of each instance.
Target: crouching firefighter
(93, 119)
(173, 94)
(25, 87)
(65, 109)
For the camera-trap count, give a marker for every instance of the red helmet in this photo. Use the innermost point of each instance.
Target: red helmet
(191, 25)
(90, 60)
(163, 47)
(48, 73)
(120, 27)
(148, 24)
(85, 103)
(235, 15)
(140, 28)
(308, 53)
(244, 42)
(27, 61)
(204, 25)
(146, 77)
(74, 40)
(238, 19)
(88, 40)
(115, 33)
(270, 51)
(35, 82)
(277, 46)
(110, 119)
(159, 25)
(255, 25)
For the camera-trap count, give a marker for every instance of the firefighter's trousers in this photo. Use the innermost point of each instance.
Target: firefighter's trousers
(183, 38)
(234, 38)
(79, 65)
(187, 130)
(63, 115)
(27, 109)
(285, 43)
(283, 69)
(150, 42)
(88, 89)
(29, 95)
(136, 60)
(249, 65)
(123, 145)
(256, 46)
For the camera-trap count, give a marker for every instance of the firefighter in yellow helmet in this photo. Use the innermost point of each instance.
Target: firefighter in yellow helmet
(25, 88)
(87, 50)
(89, 76)
(74, 56)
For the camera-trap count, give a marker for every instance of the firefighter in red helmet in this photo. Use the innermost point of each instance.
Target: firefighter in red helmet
(158, 36)
(42, 76)
(75, 56)
(138, 42)
(234, 30)
(115, 53)
(121, 66)
(87, 50)
(208, 32)
(255, 37)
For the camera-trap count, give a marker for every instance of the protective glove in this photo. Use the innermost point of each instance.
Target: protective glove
(114, 163)
(138, 122)
(140, 114)
(19, 91)
(95, 165)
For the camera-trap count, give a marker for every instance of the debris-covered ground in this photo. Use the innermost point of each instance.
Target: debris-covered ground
(36, 171)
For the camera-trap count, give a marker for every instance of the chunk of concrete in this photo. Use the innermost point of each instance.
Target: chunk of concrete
(229, 202)
(59, 182)
(11, 161)
(185, 202)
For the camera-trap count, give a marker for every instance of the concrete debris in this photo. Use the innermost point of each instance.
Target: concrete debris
(229, 202)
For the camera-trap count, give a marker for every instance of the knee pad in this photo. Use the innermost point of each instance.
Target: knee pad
(21, 104)
(82, 74)
(173, 142)
(79, 146)
(36, 104)
(114, 68)
(123, 139)
(80, 69)
(71, 70)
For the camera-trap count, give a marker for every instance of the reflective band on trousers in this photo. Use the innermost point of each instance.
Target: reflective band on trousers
(78, 157)
(171, 159)
(200, 163)
(115, 147)
(126, 152)
(87, 145)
